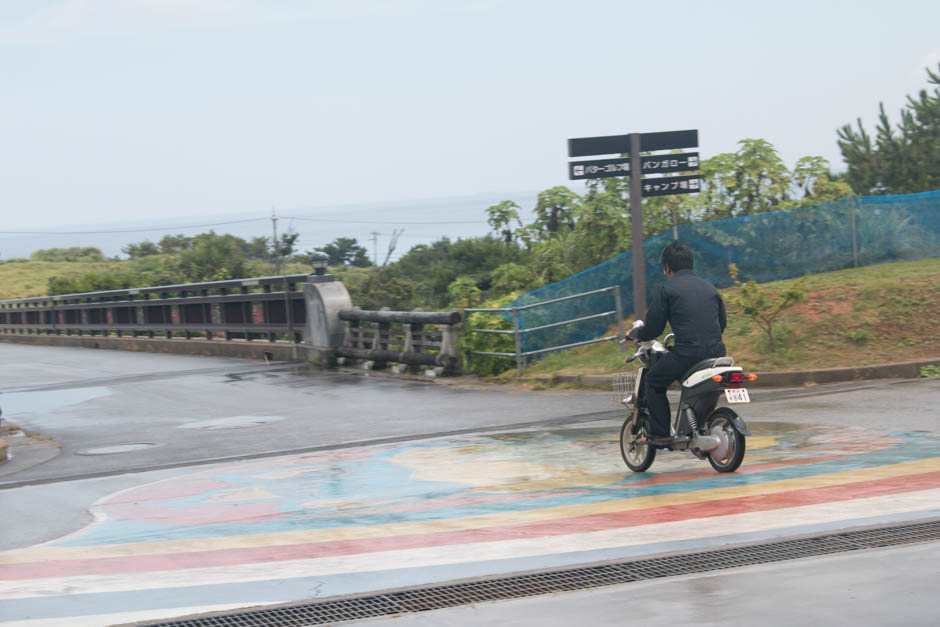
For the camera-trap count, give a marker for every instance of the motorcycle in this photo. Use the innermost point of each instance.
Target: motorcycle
(699, 426)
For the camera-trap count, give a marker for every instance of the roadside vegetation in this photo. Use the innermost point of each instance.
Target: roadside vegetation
(856, 317)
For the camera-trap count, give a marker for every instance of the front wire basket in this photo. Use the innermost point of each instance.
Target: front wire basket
(623, 384)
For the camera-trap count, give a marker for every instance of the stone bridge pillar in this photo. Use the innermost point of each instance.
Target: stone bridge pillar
(325, 297)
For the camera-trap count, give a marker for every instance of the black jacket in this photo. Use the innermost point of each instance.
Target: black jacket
(694, 309)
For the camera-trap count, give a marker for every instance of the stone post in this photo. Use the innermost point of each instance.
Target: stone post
(324, 331)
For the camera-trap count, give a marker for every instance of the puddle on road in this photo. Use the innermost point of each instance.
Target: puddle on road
(45, 401)
(118, 448)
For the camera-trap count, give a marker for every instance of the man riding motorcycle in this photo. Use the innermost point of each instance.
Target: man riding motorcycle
(695, 311)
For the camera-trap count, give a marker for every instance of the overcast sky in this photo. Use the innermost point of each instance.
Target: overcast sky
(118, 109)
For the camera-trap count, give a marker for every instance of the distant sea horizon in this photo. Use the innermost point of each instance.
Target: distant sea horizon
(420, 221)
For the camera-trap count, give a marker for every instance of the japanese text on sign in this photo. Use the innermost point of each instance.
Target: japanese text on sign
(672, 185)
(599, 168)
(670, 163)
(655, 164)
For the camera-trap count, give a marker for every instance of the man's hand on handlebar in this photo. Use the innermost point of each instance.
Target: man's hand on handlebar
(632, 333)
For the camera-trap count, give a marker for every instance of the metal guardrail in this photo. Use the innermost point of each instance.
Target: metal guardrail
(253, 308)
(517, 332)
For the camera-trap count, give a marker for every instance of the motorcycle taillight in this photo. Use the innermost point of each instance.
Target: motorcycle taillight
(735, 379)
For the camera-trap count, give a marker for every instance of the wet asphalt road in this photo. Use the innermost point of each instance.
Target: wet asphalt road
(150, 411)
(114, 411)
(123, 420)
(120, 418)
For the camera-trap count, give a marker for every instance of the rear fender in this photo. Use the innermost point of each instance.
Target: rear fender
(738, 422)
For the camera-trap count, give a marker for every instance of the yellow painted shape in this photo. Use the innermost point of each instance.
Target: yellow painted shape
(762, 441)
(241, 494)
(340, 503)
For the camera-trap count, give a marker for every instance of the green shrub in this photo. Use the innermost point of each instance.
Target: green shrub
(858, 336)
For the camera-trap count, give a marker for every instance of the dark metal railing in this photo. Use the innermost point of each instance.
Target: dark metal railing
(269, 308)
(415, 338)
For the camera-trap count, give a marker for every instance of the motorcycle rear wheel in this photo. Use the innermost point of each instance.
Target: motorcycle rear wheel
(722, 425)
(637, 454)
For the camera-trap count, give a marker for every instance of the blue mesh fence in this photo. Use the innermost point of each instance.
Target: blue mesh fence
(811, 239)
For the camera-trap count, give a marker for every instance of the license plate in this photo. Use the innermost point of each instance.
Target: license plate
(737, 395)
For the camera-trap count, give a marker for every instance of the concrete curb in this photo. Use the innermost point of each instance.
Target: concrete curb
(255, 349)
(771, 379)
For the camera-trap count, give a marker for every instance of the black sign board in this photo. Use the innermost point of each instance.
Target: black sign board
(661, 164)
(609, 145)
(620, 144)
(669, 185)
(668, 140)
(598, 168)
(657, 164)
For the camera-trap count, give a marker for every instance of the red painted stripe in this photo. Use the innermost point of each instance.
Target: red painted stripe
(563, 526)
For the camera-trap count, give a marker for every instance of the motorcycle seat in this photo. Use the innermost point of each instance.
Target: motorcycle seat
(711, 362)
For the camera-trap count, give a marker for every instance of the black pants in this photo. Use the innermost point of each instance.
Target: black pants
(667, 369)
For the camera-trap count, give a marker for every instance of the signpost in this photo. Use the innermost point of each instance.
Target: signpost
(632, 163)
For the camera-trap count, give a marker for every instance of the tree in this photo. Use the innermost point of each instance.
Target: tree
(376, 287)
(141, 249)
(815, 180)
(258, 249)
(438, 264)
(554, 210)
(346, 251)
(76, 253)
(601, 230)
(463, 292)
(761, 180)
(555, 258)
(511, 277)
(900, 160)
(501, 216)
(284, 246)
(763, 308)
(213, 257)
(171, 244)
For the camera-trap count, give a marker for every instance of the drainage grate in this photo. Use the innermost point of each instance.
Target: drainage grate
(440, 596)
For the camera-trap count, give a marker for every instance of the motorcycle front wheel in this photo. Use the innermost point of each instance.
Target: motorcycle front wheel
(636, 453)
(729, 455)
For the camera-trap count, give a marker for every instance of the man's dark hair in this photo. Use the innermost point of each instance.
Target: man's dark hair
(677, 256)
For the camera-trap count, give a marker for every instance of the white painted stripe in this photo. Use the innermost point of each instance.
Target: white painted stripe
(827, 513)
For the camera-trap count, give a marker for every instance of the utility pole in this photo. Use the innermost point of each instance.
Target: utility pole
(274, 246)
(288, 314)
(375, 247)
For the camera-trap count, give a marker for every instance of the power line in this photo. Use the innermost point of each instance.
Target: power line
(200, 226)
(377, 221)
(141, 230)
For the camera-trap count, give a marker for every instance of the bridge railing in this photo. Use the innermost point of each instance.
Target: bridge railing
(415, 338)
(270, 308)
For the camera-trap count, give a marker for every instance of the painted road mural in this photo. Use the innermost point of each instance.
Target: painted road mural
(368, 518)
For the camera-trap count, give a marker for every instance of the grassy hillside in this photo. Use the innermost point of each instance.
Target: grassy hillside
(863, 316)
(24, 279)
